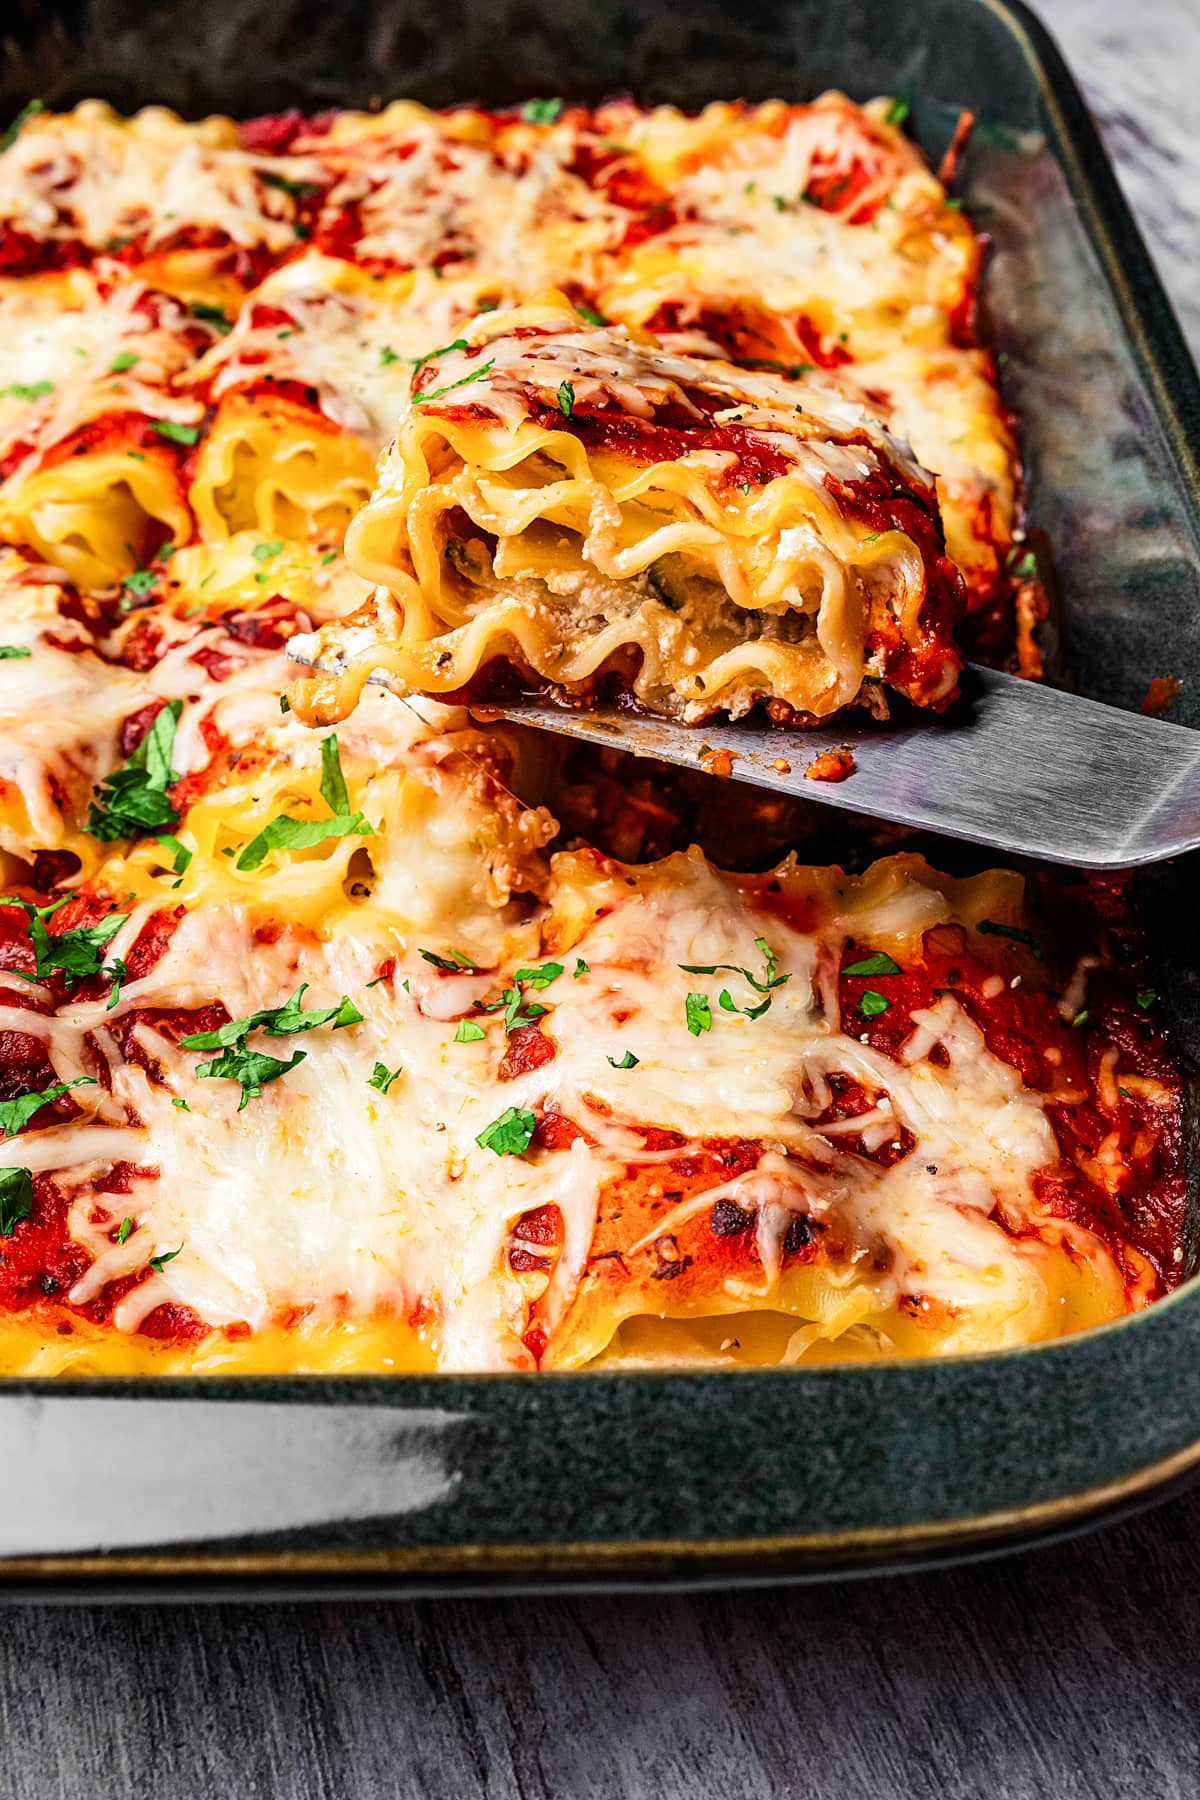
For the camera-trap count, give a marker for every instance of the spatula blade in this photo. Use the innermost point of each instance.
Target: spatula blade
(1025, 769)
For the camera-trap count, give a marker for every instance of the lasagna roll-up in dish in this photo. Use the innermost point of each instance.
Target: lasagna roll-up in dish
(566, 502)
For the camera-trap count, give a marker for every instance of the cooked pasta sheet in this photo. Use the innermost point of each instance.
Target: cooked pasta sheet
(357, 1034)
(568, 502)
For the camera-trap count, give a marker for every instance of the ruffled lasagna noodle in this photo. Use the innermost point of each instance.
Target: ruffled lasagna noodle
(420, 1043)
(573, 503)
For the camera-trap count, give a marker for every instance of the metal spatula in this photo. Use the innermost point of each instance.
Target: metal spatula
(1022, 768)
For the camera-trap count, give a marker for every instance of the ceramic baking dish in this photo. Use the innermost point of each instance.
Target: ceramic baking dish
(411, 1484)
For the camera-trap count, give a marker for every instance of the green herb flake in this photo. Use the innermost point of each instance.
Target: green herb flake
(581, 968)
(16, 1114)
(74, 953)
(180, 1102)
(469, 1032)
(628, 1061)
(276, 1021)
(16, 1198)
(180, 855)
(897, 111)
(878, 964)
(388, 356)
(158, 1263)
(699, 1014)
(566, 399)
(453, 964)
(253, 1069)
(11, 133)
(329, 556)
(542, 112)
(767, 985)
(436, 393)
(128, 359)
(418, 362)
(299, 190)
(208, 314)
(1146, 997)
(288, 833)
(177, 434)
(285, 705)
(589, 314)
(510, 1134)
(14, 652)
(124, 1229)
(1081, 1018)
(872, 1004)
(20, 390)
(992, 928)
(382, 1077)
(266, 551)
(133, 800)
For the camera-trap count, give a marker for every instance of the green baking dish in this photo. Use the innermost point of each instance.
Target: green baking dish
(416, 1484)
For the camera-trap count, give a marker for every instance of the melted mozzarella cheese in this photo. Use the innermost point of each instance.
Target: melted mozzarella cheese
(325, 1195)
(89, 174)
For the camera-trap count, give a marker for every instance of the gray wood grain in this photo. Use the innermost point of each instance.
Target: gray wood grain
(1061, 1674)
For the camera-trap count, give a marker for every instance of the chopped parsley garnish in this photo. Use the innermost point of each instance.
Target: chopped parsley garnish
(793, 371)
(388, 356)
(329, 556)
(181, 856)
(589, 314)
(382, 1077)
(276, 1021)
(510, 1134)
(133, 800)
(518, 1010)
(1023, 566)
(872, 1004)
(897, 111)
(13, 652)
(75, 953)
(127, 359)
(699, 1014)
(541, 112)
(124, 1229)
(1146, 997)
(581, 968)
(879, 964)
(178, 434)
(991, 928)
(285, 705)
(566, 399)
(454, 964)
(34, 390)
(287, 833)
(11, 133)
(16, 1198)
(299, 190)
(211, 315)
(436, 393)
(628, 1061)
(1081, 1018)
(769, 982)
(137, 585)
(418, 362)
(252, 1068)
(160, 1261)
(16, 1113)
(181, 1103)
(265, 551)
(469, 1032)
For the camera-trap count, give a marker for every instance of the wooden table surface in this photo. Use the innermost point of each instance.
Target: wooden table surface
(1072, 1671)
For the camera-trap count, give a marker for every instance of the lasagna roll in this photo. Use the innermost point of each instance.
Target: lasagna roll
(567, 502)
